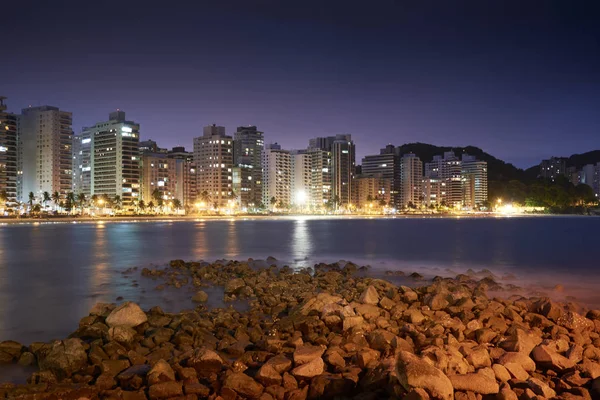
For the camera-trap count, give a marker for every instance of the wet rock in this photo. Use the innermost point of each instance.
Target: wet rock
(64, 358)
(127, 315)
(413, 372)
(369, 296)
(477, 383)
(200, 297)
(26, 359)
(10, 351)
(575, 322)
(234, 286)
(310, 369)
(243, 385)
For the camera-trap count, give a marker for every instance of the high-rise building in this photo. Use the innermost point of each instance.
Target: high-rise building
(185, 188)
(449, 172)
(411, 180)
(277, 171)
(386, 164)
(45, 152)
(82, 163)
(301, 178)
(474, 181)
(371, 190)
(248, 143)
(432, 191)
(213, 156)
(114, 158)
(553, 168)
(320, 178)
(159, 178)
(8, 156)
(587, 175)
(343, 165)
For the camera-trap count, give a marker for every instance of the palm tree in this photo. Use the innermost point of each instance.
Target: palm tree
(177, 204)
(205, 197)
(55, 199)
(81, 199)
(151, 205)
(273, 202)
(141, 205)
(70, 201)
(31, 199)
(94, 199)
(3, 197)
(117, 201)
(46, 198)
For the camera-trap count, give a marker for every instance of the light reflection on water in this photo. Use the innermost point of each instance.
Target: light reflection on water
(52, 274)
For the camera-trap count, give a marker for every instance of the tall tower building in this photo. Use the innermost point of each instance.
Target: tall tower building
(248, 143)
(276, 176)
(213, 156)
(82, 163)
(45, 154)
(447, 170)
(474, 182)
(387, 165)
(159, 175)
(114, 158)
(343, 166)
(8, 155)
(301, 178)
(185, 189)
(411, 180)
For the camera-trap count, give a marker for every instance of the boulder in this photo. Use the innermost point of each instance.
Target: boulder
(317, 303)
(10, 351)
(161, 372)
(205, 362)
(267, 375)
(352, 322)
(280, 363)
(234, 286)
(541, 388)
(575, 322)
(477, 383)
(309, 370)
(64, 358)
(546, 357)
(165, 390)
(413, 372)
(520, 358)
(200, 297)
(369, 296)
(243, 385)
(306, 353)
(122, 334)
(520, 341)
(127, 315)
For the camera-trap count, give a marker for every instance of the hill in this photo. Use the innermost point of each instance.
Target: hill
(579, 160)
(498, 170)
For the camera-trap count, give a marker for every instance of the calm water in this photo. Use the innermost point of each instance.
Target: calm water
(52, 274)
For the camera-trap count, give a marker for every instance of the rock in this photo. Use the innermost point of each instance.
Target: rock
(267, 375)
(205, 362)
(541, 388)
(10, 351)
(113, 367)
(306, 353)
(517, 371)
(368, 358)
(165, 390)
(196, 388)
(64, 358)
(317, 303)
(413, 372)
(352, 322)
(122, 334)
(480, 358)
(309, 370)
(26, 359)
(369, 296)
(477, 383)
(234, 286)
(591, 369)
(127, 315)
(519, 358)
(507, 394)
(575, 322)
(280, 363)
(546, 357)
(243, 385)
(161, 372)
(520, 341)
(200, 297)
(501, 372)
(336, 360)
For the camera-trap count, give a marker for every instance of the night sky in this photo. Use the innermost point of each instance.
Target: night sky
(520, 79)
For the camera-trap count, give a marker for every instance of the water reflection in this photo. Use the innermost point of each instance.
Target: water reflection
(301, 242)
(232, 249)
(199, 245)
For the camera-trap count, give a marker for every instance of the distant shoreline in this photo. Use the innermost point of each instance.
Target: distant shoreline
(199, 218)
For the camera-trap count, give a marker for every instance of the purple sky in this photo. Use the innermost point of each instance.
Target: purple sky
(520, 79)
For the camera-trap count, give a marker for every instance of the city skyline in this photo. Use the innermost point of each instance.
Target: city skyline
(518, 80)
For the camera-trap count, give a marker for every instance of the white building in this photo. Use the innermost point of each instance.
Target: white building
(114, 159)
(301, 174)
(277, 176)
(411, 180)
(449, 171)
(343, 167)
(213, 156)
(45, 157)
(474, 182)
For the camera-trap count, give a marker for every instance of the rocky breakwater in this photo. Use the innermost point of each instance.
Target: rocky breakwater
(320, 333)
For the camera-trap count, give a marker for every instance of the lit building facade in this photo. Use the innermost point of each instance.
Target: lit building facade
(433, 191)
(474, 181)
(185, 187)
(371, 190)
(82, 163)
(115, 159)
(277, 176)
(213, 156)
(386, 164)
(553, 168)
(448, 170)
(159, 178)
(411, 180)
(343, 166)
(248, 143)
(45, 152)
(320, 178)
(8, 155)
(301, 178)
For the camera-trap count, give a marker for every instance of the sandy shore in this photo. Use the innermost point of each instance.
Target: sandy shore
(326, 332)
